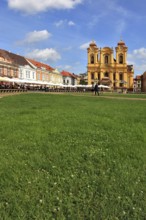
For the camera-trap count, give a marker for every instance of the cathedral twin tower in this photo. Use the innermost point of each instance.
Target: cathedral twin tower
(106, 70)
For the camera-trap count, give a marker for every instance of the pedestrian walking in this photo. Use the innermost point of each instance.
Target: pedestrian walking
(96, 89)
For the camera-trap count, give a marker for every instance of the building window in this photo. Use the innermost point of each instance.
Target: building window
(106, 74)
(27, 74)
(33, 75)
(21, 74)
(15, 73)
(92, 58)
(121, 76)
(121, 59)
(92, 75)
(114, 76)
(43, 77)
(98, 76)
(8, 72)
(106, 59)
(1, 71)
(39, 76)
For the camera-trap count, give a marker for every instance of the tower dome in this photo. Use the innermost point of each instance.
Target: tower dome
(93, 43)
(121, 42)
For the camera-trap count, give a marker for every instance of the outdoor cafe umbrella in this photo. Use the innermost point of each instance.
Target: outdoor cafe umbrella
(5, 79)
(103, 86)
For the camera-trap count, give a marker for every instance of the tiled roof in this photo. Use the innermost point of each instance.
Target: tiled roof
(65, 73)
(16, 59)
(138, 77)
(4, 54)
(40, 65)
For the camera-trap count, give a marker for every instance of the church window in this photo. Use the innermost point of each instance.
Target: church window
(121, 76)
(106, 59)
(98, 76)
(114, 76)
(92, 58)
(106, 74)
(92, 75)
(121, 59)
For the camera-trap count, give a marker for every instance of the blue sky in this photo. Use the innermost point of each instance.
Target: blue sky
(58, 32)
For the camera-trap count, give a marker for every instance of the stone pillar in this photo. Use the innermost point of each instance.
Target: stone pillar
(89, 78)
(95, 75)
(111, 78)
(101, 57)
(131, 81)
(125, 78)
(101, 75)
(125, 58)
(112, 57)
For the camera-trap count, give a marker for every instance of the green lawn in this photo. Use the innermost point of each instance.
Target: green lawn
(70, 157)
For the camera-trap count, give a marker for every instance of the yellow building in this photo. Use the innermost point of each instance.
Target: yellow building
(103, 68)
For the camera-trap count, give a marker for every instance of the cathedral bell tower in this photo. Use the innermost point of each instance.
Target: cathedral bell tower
(121, 53)
(92, 53)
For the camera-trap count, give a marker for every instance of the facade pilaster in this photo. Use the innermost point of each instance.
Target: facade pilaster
(111, 77)
(89, 78)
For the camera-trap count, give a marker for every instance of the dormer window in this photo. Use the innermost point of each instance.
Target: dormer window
(2, 58)
(121, 59)
(92, 58)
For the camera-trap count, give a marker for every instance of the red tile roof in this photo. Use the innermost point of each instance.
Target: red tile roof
(65, 73)
(40, 65)
(138, 77)
(15, 59)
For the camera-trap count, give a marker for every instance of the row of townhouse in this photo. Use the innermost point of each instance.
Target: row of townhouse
(139, 84)
(29, 70)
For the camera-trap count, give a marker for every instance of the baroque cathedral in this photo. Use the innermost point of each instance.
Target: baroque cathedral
(103, 68)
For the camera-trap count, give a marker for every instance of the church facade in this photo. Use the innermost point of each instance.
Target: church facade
(103, 68)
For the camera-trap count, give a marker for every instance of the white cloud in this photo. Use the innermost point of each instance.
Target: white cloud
(140, 53)
(48, 54)
(138, 58)
(71, 23)
(85, 46)
(35, 6)
(35, 36)
(67, 67)
(64, 22)
(59, 23)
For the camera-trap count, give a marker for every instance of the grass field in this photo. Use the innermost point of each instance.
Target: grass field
(71, 157)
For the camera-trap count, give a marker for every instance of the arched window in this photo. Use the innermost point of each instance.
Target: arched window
(121, 76)
(92, 58)
(106, 74)
(92, 75)
(106, 59)
(121, 59)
